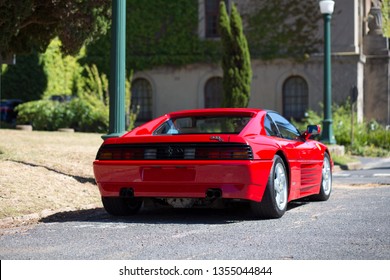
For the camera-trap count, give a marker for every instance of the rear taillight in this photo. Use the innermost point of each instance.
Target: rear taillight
(119, 153)
(242, 152)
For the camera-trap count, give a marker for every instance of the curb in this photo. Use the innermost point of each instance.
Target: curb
(351, 166)
(364, 163)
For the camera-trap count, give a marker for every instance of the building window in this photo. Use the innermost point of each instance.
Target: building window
(141, 95)
(213, 93)
(212, 13)
(295, 98)
(211, 17)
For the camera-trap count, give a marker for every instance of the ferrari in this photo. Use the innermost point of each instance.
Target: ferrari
(195, 158)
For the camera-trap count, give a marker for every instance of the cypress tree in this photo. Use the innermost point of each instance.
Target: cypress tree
(386, 18)
(236, 64)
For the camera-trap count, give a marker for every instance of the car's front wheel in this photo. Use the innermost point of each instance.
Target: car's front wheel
(119, 206)
(274, 202)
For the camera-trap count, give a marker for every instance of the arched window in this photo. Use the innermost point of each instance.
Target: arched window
(295, 98)
(141, 95)
(213, 93)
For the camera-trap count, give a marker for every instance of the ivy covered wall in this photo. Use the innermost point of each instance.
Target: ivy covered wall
(283, 29)
(159, 32)
(165, 32)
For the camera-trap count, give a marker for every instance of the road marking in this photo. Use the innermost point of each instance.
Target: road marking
(341, 175)
(382, 175)
(102, 226)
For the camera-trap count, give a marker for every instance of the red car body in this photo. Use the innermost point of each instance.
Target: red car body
(151, 162)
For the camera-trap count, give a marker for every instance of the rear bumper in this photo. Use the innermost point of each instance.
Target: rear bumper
(236, 179)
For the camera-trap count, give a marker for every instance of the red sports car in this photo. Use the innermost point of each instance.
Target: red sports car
(196, 157)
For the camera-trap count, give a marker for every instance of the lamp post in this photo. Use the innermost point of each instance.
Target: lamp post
(327, 8)
(117, 70)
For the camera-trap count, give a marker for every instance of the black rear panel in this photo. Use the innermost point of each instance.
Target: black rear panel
(176, 151)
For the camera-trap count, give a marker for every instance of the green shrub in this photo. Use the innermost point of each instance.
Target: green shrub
(89, 112)
(371, 139)
(311, 118)
(87, 118)
(52, 115)
(366, 139)
(37, 113)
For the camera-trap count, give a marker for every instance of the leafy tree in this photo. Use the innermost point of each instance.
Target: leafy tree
(36, 76)
(28, 25)
(283, 28)
(96, 93)
(63, 72)
(95, 90)
(236, 64)
(26, 80)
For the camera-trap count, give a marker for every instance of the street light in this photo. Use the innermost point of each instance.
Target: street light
(327, 8)
(117, 70)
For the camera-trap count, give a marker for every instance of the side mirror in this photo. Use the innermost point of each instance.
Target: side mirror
(312, 130)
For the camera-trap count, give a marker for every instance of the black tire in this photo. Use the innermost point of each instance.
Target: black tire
(119, 206)
(326, 181)
(274, 202)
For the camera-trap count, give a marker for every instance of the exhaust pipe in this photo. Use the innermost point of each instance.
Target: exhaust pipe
(213, 193)
(126, 193)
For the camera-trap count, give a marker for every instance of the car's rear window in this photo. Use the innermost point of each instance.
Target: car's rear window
(203, 125)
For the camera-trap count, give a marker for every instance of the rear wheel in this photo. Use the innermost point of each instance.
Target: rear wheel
(326, 181)
(119, 206)
(274, 202)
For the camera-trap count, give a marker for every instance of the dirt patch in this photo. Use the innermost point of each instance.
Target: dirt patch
(31, 189)
(46, 171)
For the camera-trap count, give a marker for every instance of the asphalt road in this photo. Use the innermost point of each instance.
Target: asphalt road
(372, 171)
(353, 224)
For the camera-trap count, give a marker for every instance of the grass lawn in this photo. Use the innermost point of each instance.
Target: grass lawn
(46, 171)
(344, 160)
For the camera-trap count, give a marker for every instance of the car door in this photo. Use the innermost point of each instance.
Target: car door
(300, 154)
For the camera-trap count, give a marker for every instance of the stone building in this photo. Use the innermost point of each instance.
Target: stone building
(360, 61)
